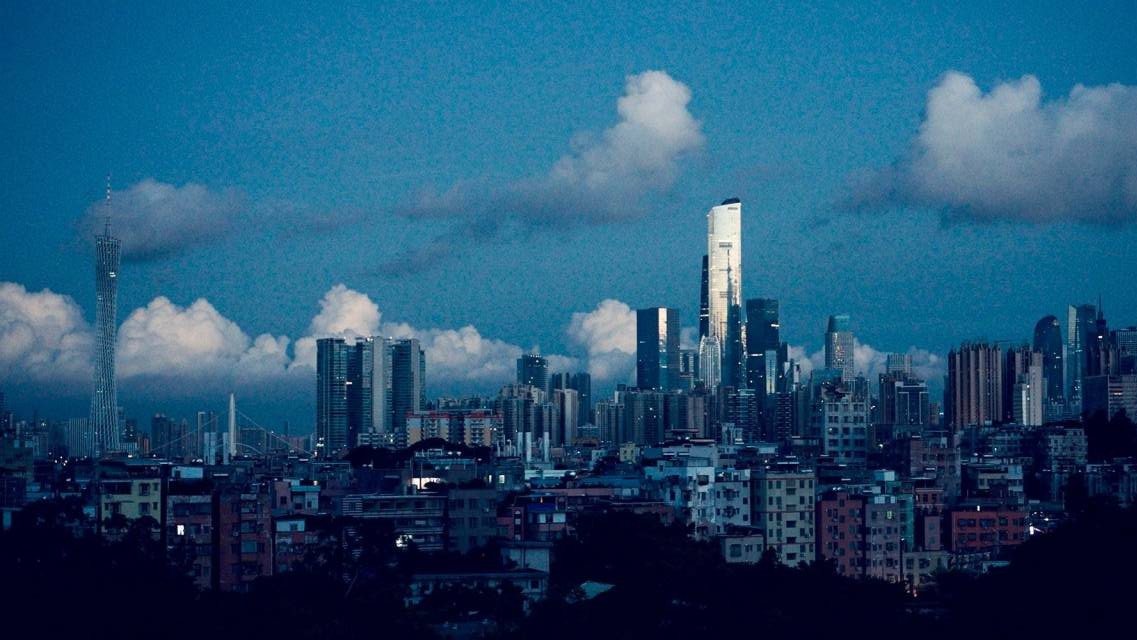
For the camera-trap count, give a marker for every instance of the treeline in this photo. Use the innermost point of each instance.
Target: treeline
(1078, 579)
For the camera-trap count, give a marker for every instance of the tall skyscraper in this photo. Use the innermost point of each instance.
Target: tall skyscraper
(533, 370)
(973, 394)
(332, 356)
(205, 430)
(765, 359)
(688, 368)
(657, 348)
(1079, 327)
(710, 362)
(898, 363)
(1048, 342)
(408, 381)
(903, 401)
(1125, 344)
(381, 384)
(839, 347)
(104, 402)
(1102, 357)
(733, 352)
(354, 392)
(704, 304)
(567, 402)
(582, 382)
(1023, 387)
(724, 266)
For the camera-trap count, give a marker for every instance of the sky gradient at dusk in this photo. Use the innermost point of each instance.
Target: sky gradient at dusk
(486, 178)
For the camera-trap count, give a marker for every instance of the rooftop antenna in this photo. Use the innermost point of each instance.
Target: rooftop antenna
(107, 208)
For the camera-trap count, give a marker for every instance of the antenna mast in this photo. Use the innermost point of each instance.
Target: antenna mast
(107, 208)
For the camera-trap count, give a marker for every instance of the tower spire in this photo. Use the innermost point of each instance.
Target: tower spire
(107, 208)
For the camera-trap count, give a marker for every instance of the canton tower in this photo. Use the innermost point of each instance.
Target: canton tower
(104, 401)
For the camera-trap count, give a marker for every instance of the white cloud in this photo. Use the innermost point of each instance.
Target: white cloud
(196, 347)
(43, 338)
(928, 366)
(1008, 154)
(464, 355)
(265, 360)
(344, 313)
(607, 334)
(155, 219)
(604, 178)
(168, 350)
(453, 356)
(807, 361)
(871, 362)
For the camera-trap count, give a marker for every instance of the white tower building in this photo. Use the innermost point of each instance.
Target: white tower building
(724, 262)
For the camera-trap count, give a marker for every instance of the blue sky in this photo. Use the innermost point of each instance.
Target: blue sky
(323, 124)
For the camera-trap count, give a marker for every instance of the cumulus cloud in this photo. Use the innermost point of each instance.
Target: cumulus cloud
(171, 350)
(465, 355)
(871, 362)
(195, 346)
(453, 356)
(43, 338)
(156, 219)
(344, 313)
(807, 361)
(603, 178)
(607, 334)
(1008, 154)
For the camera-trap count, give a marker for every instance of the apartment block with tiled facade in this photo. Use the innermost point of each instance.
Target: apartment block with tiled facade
(782, 502)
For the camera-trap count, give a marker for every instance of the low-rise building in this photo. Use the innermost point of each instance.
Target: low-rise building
(242, 537)
(782, 501)
(189, 531)
(979, 528)
(293, 537)
(741, 545)
(417, 518)
(131, 498)
(471, 517)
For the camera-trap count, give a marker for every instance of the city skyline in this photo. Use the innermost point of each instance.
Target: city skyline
(516, 320)
(254, 276)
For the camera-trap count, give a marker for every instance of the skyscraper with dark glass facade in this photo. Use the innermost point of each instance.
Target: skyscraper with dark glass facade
(332, 382)
(1080, 321)
(765, 356)
(657, 349)
(1048, 342)
(533, 370)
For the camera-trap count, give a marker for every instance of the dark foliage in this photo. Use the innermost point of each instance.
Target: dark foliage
(1074, 581)
(1110, 438)
(56, 583)
(668, 586)
(59, 581)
